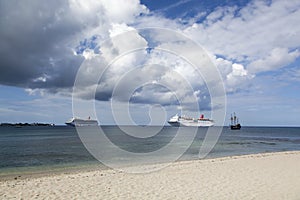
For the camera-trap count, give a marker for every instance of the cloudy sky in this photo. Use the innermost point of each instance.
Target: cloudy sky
(138, 56)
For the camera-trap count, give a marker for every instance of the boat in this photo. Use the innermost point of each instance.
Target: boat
(234, 125)
(74, 121)
(177, 120)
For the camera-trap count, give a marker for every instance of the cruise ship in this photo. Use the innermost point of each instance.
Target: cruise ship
(188, 121)
(81, 122)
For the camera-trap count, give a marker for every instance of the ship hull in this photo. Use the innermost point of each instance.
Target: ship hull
(235, 127)
(191, 124)
(197, 124)
(176, 124)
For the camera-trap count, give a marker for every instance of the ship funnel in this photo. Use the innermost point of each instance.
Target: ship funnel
(201, 116)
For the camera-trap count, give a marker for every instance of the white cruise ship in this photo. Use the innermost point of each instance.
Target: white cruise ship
(188, 121)
(81, 122)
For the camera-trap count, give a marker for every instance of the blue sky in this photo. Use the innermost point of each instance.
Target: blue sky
(253, 44)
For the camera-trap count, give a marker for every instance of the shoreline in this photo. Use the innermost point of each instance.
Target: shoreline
(254, 176)
(51, 170)
(74, 168)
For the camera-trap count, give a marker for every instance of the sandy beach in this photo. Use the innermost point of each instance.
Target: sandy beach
(258, 176)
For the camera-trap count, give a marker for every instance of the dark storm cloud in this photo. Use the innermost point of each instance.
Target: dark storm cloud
(35, 44)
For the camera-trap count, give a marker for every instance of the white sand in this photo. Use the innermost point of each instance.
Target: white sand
(260, 176)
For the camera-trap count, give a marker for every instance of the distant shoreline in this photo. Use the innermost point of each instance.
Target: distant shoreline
(25, 124)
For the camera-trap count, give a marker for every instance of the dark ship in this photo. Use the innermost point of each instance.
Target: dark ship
(234, 125)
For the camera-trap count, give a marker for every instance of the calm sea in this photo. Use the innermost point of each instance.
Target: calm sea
(61, 146)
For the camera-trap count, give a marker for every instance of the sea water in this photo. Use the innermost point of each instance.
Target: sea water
(50, 147)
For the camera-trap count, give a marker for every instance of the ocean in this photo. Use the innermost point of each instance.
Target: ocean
(60, 146)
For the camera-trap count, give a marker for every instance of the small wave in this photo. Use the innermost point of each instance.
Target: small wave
(267, 143)
(238, 143)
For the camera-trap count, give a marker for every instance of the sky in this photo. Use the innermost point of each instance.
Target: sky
(151, 59)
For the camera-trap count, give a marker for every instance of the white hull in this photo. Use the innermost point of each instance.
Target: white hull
(81, 122)
(196, 124)
(186, 121)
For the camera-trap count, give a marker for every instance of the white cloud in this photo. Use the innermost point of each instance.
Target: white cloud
(237, 77)
(237, 70)
(122, 11)
(88, 54)
(279, 57)
(260, 37)
(251, 33)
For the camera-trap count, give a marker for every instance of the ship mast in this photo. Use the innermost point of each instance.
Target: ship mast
(234, 118)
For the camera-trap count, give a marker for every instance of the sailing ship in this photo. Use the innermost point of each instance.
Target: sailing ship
(234, 125)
